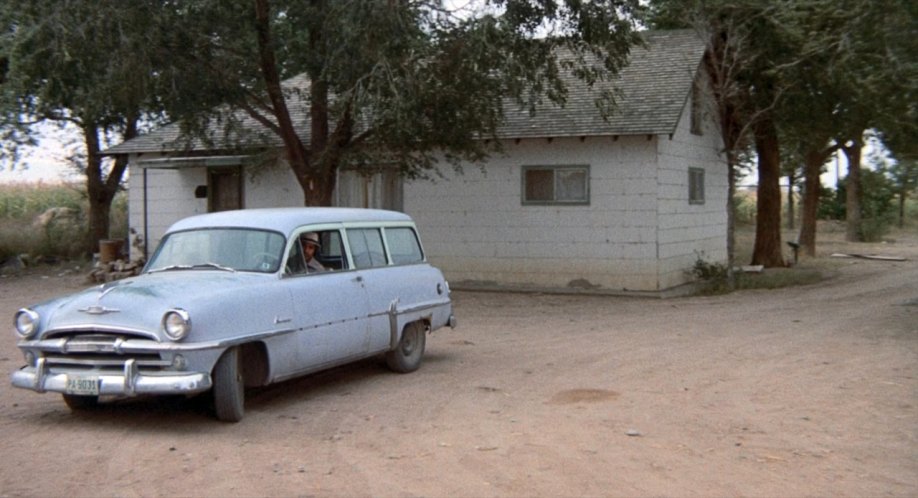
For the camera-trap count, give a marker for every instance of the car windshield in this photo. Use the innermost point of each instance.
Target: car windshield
(226, 249)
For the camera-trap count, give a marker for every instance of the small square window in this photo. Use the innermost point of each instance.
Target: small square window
(556, 185)
(696, 185)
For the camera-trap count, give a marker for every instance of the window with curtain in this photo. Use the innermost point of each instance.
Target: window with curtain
(556, 185)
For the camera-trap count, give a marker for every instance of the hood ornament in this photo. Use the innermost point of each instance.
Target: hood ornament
(98, 310)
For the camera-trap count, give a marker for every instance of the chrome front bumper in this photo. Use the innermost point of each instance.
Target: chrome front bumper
(129, 383)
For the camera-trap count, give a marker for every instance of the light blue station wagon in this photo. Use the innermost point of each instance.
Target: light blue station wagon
(231, 300)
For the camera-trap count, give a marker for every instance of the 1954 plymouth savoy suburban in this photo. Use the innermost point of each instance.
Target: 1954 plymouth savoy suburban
(236, 299)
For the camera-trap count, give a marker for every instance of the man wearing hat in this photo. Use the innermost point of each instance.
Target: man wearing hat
(310, 246)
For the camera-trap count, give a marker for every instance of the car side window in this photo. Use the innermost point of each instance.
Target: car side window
(404, 246)
(327, 253)
(332, 254)
(296, 263)
(366, 247)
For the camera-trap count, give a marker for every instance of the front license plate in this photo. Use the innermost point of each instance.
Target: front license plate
(83, 385)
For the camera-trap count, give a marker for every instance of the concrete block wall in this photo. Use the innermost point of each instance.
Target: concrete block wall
(271, 186)
(689, 231)
(169, 197)
(475, 227)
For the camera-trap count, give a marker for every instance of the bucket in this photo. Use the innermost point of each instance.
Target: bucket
(109, 250)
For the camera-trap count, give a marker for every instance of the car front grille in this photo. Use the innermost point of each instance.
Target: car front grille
(101, 352)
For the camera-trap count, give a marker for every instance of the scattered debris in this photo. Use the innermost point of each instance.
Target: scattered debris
(633, 433)
(749, 268)
(877, 257)
(12, 265)
(115, 270)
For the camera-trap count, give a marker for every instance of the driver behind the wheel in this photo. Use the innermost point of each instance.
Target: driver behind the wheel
(310, 246)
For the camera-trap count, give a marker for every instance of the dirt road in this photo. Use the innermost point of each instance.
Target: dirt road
(808, 391)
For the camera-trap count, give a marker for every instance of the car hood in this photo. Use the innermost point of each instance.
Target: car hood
(137, 305)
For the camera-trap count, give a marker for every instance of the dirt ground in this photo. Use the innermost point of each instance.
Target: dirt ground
(806, 391)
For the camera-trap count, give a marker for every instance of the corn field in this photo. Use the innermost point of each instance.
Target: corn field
(49, 221)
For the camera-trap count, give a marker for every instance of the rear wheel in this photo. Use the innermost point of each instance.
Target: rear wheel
(79, 403)
(406, 357)
(229, 387)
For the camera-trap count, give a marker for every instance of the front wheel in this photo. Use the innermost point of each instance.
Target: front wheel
(406, 357)
(229, 387)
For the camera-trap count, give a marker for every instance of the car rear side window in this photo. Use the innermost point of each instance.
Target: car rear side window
(366, 247)
(404, 246)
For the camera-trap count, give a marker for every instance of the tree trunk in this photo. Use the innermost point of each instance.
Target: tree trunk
(731, 221)
(790, 201)
(813, 161)
(101, 190)
(767, 249)
(853, 231)
(315, 168)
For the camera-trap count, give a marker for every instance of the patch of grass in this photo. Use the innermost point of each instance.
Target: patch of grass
(713, 276)
(776, 278)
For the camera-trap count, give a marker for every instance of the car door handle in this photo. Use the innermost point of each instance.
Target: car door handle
(358, 278)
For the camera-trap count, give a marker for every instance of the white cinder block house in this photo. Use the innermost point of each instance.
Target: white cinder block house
(574, 202)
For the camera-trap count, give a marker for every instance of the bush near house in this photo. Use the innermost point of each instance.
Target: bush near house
(48, 221)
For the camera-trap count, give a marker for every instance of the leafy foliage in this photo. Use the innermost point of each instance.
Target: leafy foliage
(714, 276)
(877, 207)
(386, 83)
(82, 63)
(823, 70)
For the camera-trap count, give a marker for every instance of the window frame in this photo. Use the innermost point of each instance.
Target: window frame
(696, 187)
(696, 116)
(351, 232)
(387, 241)
(322, 230)
(554, 170)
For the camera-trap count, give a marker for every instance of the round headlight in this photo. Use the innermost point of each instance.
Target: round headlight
(26, 322)
(176, 324)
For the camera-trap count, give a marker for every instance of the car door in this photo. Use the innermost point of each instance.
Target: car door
(330, 312)
(382, 282)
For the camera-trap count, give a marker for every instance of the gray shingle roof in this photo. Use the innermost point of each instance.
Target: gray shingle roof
(652, 92)
(653, 89)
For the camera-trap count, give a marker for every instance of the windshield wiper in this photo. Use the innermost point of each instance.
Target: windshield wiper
(191, 267)
(170, 267)
(210, 264)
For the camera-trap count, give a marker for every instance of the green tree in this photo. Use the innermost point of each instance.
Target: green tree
(902, 177)
(745, 43)
(877, 203)
(821, 72)
(871, 56)
(81, 63)
(399, 82)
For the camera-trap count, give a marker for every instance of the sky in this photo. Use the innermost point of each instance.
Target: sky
(46, 162)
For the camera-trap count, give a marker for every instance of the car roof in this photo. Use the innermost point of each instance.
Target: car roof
(285, 220)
